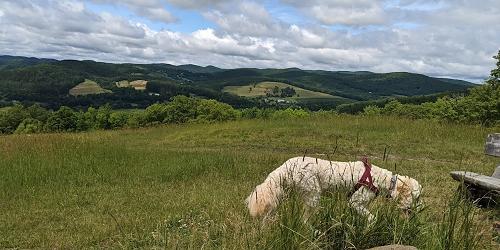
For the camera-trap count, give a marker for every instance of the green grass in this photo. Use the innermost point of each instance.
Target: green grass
(260, 89)
(88, 87)
(185, 185)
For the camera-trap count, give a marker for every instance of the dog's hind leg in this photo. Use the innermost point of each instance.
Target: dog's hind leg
(360, 199)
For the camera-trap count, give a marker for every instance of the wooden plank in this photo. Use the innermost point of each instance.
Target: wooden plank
(496, 174)
(492, 146)
(482, 181)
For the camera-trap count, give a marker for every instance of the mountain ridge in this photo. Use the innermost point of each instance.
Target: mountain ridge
(46, 80)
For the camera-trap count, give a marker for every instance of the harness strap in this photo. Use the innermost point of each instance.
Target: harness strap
(366, 179)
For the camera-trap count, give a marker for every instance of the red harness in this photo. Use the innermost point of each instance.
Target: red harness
(366, 179)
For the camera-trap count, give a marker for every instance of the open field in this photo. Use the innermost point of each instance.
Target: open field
(185, 185)
(137, 84)
(88, 87)
(260, 89)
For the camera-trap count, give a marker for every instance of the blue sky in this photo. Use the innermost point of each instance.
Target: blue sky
(444, 38)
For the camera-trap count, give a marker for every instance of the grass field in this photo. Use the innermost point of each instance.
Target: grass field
(137, 84)
(184, 185)
(88, 87)
(260, 89)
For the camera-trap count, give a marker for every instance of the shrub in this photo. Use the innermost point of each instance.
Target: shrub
(89, 119)
(37, 112)
(250, 113)
(156, 113)
(11, 118)
(212, 110)
(102, 117)
(118, 119)
(290, 113)
(29, 126)
(372, 110)
(181, 110)
(136, 120)
(64, 119)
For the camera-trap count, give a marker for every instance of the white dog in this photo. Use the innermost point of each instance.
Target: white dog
(314, 175)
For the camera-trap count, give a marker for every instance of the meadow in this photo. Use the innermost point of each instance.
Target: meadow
(260, 89)
(183, 186)
(88, 87)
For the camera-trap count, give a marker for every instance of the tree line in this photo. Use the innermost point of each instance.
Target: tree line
(19, 119)
(480, 106)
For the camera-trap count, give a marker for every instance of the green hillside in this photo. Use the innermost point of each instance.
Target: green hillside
(48, 82)
(263, 88)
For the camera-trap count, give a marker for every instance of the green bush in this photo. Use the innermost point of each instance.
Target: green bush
(11, 118)
(212, 110)
(156, 113)
(181, 109)
(136, 120)
(64, 119)
(289, 113)
(29, 126)
(102, 117)
(118, 119)
(372, 110)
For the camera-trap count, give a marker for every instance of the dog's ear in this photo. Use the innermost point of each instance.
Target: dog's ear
(408, 192)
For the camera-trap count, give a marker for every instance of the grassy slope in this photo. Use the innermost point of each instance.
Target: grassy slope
(87, 87)
(124, 188)
(261, 88)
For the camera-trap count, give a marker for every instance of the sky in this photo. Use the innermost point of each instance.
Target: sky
(442, 38)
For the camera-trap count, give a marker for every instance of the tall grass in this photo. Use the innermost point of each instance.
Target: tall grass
(184, 186)
(336, 225)
(458, 228)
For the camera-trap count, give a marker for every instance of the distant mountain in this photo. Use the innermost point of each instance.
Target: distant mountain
(199, 69)
(14, 62)
(48, 81)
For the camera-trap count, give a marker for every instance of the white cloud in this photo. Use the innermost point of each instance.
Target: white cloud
(445, 38)
(348, 12)
(152, 9)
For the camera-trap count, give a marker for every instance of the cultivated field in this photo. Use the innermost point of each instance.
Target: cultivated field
(88, 87)
(260, 89)
(137, 84)
(185, 185)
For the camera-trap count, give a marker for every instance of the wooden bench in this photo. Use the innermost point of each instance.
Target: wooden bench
(484, 189)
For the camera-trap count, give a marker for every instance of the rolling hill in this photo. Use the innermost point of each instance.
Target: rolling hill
(48, 82)
(88, 87)
(263, 88)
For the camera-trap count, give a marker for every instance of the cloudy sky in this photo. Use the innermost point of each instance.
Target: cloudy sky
(449, 38)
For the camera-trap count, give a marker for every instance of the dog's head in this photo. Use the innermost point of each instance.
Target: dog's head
(261, 201)
(407, 193)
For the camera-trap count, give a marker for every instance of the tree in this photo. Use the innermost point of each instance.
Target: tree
(89, 120)
(212, 110)
(156, 113)
(29, 126)
(494, 79)
(276, 91)
(118, 119)
(102, 117)
(37, 112)
(287, 92)
(181, 109)
(64, 119)
(11, 118)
